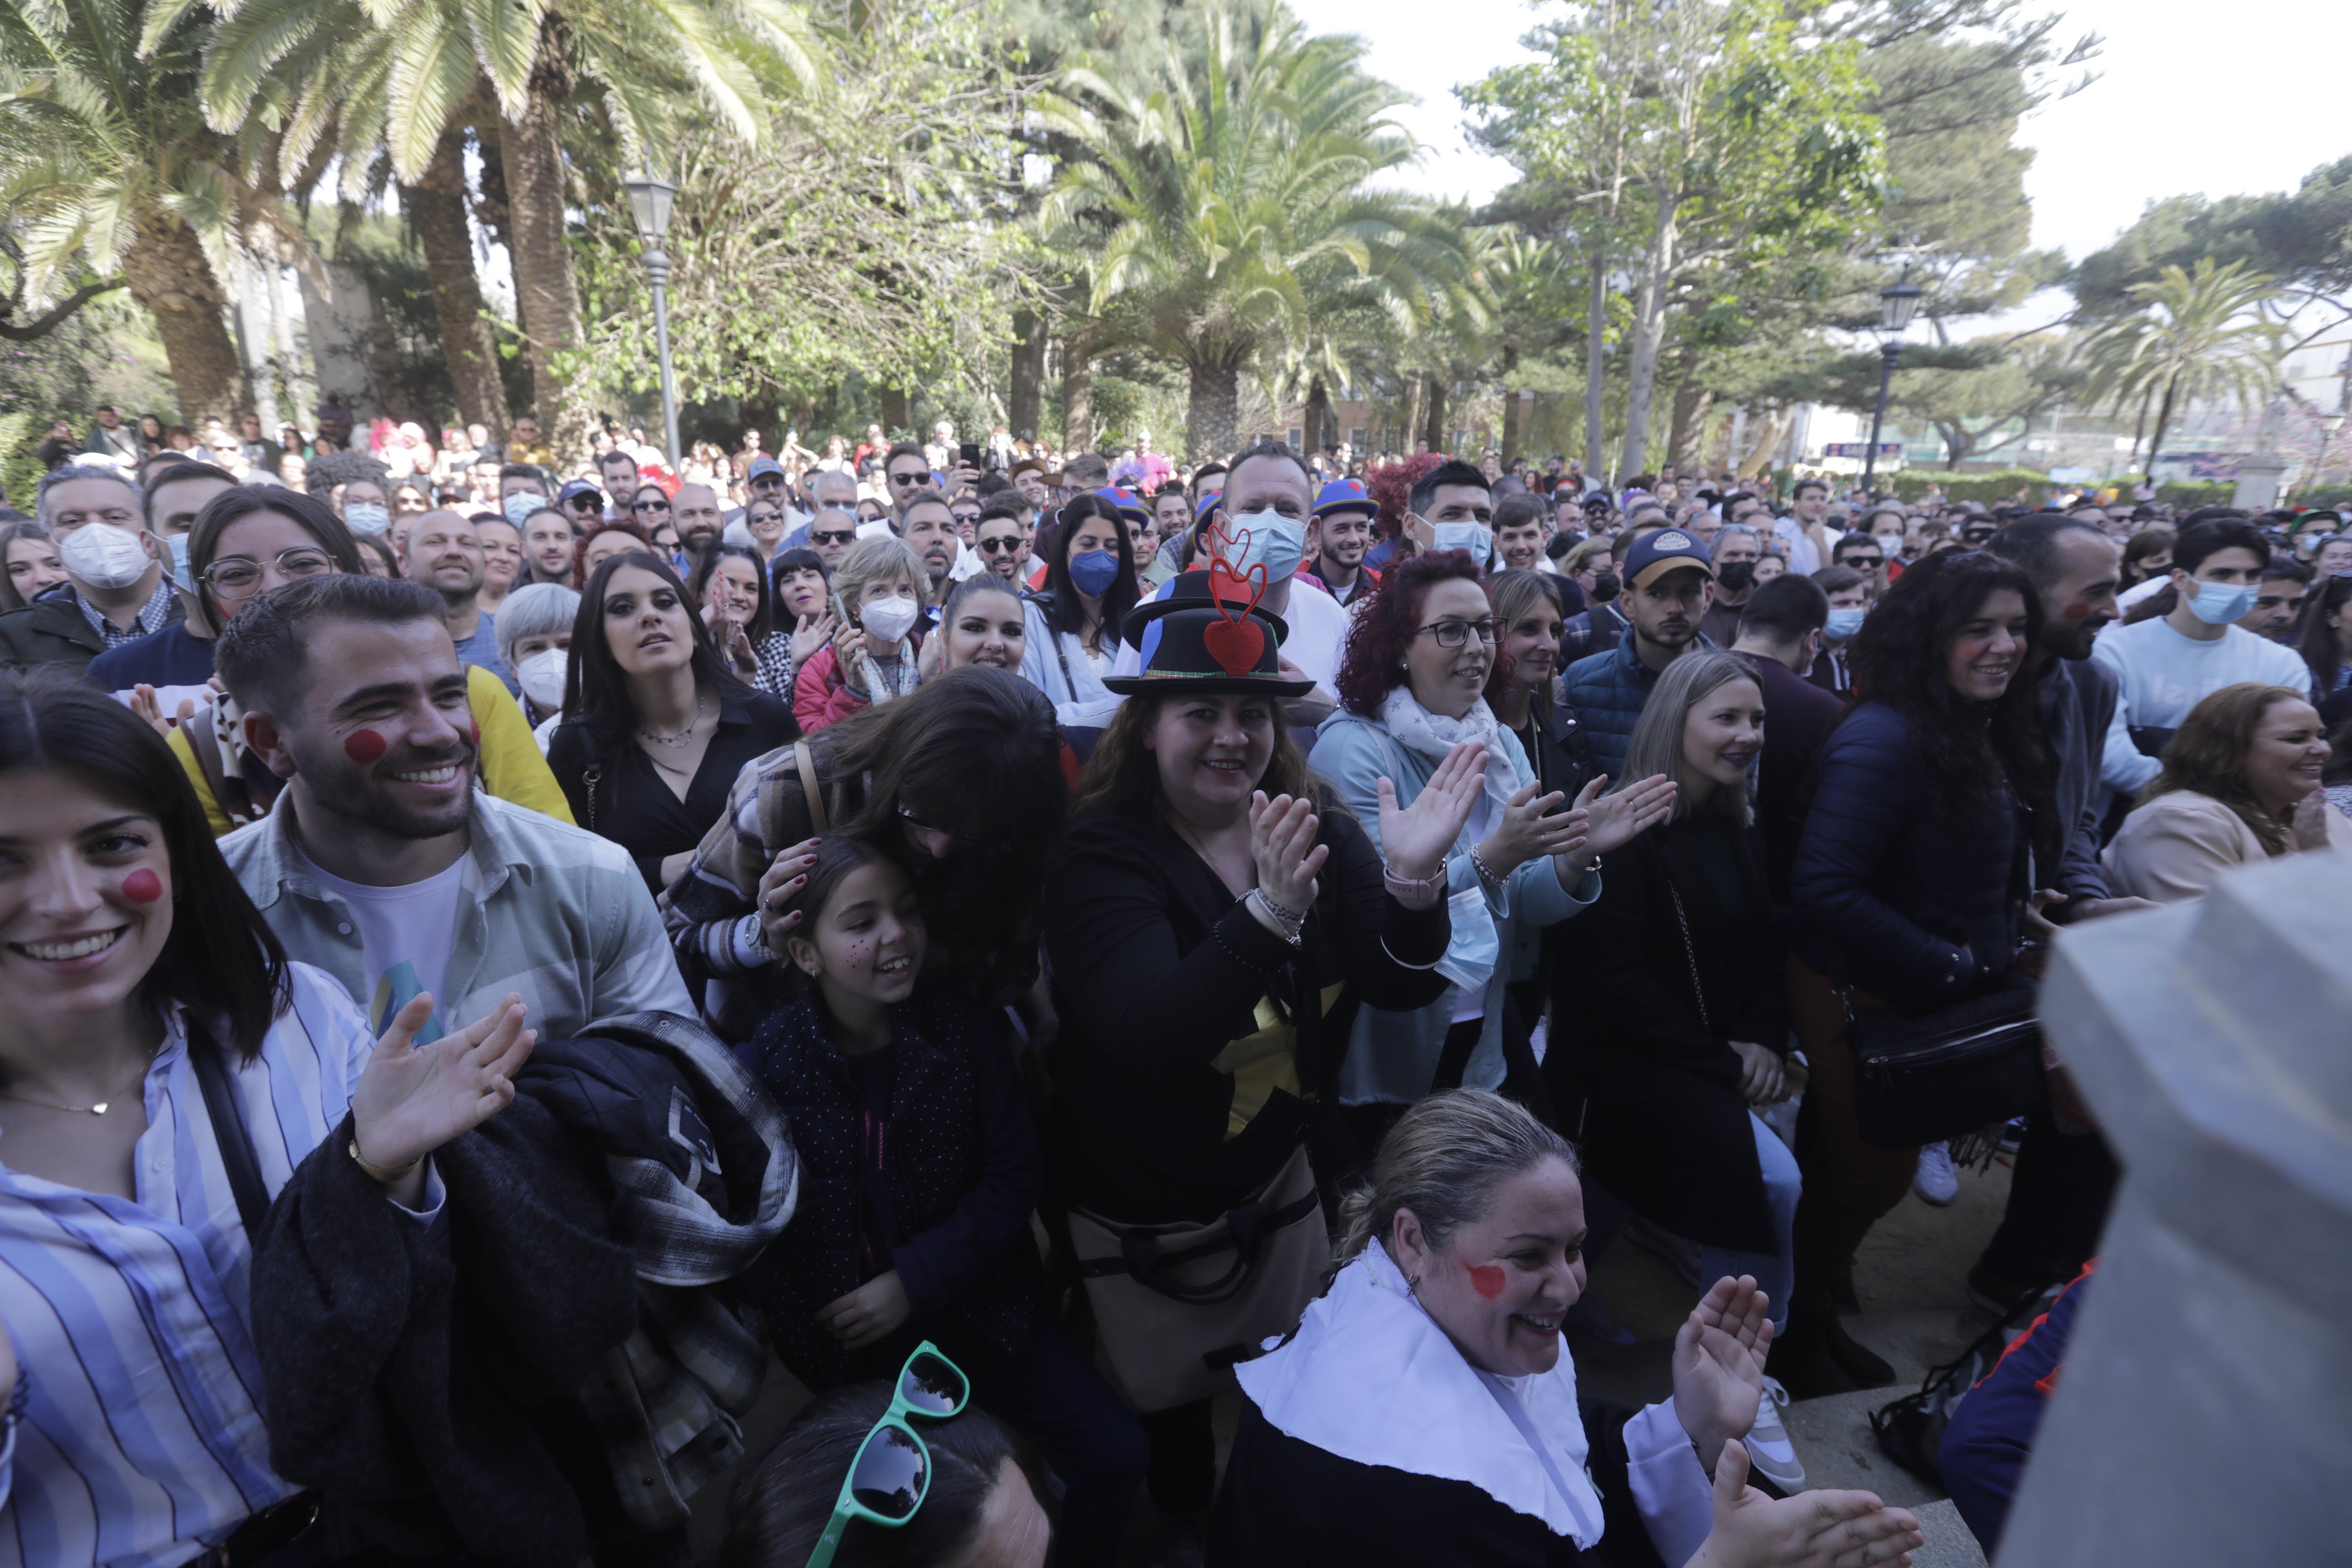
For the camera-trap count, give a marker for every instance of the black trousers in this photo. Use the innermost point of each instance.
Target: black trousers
(2058, 1197)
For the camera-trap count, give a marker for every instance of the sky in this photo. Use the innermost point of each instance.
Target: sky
(2200, 97)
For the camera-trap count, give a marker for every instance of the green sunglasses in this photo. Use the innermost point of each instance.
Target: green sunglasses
(891, 1473)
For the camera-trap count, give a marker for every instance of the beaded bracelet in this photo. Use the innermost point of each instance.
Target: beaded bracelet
(1289, 922)
(1478, 864)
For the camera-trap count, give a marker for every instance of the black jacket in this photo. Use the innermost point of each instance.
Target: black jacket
(1665, 1128)
(1886, 892)
(1799, 718)
(952, 1172)
(1289, 1504)
(1156, 968)
(53, 630)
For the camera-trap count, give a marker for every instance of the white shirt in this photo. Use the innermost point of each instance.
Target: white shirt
(1804, 560)
(1317, 635)
(406, 932)
(2164, 674)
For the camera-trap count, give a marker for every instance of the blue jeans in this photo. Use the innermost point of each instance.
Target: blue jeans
(1776, 1274)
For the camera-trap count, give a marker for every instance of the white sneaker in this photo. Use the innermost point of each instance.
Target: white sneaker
(1769, 1452)
(1936, 1181)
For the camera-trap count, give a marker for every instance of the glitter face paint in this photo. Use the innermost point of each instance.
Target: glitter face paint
(365, 746)
(142, 887)
(1488, 1280)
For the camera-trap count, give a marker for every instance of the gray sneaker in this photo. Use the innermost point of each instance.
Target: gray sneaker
(1769, 1452)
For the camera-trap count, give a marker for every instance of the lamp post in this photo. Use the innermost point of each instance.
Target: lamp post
(2329, 423)
(650, 196)
(1897, 301)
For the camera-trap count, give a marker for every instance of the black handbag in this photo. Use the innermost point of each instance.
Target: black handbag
(1947, 1073)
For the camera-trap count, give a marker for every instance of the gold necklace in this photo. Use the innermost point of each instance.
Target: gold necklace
(98, 1110)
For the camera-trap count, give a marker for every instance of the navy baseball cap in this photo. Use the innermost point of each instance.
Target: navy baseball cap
(762, 467)
(1667, 550)
(580, 487)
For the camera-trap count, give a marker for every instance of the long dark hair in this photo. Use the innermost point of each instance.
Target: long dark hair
(1124, 774)
(763, 618)
(595, 692)
(1968, 749)
(2318, 644)
(1379, 634)
(222, 961)
(316, 518)
(1066, 612)
(9, 598)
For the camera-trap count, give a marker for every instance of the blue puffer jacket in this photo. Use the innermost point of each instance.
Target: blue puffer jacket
(1607, 691)
(1886, 892)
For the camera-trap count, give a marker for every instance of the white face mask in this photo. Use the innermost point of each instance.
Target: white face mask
(104, 556)
(889, 618)
(1470, 536)
(542, 677)
(1275, 541)
(366, 517)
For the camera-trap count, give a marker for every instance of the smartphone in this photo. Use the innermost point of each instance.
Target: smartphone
(968, 453)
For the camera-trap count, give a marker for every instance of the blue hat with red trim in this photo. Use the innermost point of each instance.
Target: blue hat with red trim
(1345, 495)
(1124, 503)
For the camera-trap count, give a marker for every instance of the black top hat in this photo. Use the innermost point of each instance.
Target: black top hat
(1190, 590)
(1193, 647)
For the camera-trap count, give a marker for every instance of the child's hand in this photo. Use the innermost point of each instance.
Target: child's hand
(875, 1310)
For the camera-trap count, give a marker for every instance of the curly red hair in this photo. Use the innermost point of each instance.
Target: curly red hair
(1391, 486)
(1377, 636)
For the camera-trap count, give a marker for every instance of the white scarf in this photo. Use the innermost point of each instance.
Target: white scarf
(1432, 735)
(1371, 1377)
(898, 678)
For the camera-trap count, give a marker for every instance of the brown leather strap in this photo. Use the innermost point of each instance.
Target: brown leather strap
(815, 796)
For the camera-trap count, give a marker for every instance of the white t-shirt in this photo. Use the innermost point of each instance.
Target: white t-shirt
(407, 933)
(2164, 675)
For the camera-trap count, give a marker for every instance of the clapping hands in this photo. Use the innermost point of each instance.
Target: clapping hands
(1811, 1530)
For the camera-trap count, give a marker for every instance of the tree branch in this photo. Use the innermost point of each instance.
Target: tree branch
(56, 315)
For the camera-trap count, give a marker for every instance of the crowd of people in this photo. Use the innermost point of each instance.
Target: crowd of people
(496, 949)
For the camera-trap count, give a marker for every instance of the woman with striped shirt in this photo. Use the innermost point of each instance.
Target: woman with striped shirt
(163, 1071)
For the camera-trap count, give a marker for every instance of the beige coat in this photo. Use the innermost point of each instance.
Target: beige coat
(2172, 849)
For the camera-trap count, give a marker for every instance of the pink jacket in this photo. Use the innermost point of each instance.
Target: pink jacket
(820, 695)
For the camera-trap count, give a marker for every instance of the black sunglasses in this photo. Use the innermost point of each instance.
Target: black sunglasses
(649, 506)
(590, 502)
(818, 536)
(911, 479)
(1001, 544)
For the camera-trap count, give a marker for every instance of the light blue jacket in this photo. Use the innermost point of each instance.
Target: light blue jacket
(1392, 1057)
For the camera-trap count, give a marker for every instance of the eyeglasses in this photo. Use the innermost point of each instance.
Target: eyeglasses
(1002, 544)
(1454, 634)
(766, 482)
(921, 479)
(817, 536)
(890, 1475)
(1864, 563)
(649, 506)
(238, 575)
(589, 502)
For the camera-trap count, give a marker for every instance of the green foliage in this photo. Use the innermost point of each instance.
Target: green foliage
(20, 469)
(1988, 489)
(2189, 335)
(1225, 201)
(2304, 238)
(2189, 493)
(859, 238)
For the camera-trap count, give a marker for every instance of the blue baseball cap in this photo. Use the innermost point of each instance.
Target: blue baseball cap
(1345, 495)
(762, 467)
(1124, 503)
(1666, 550)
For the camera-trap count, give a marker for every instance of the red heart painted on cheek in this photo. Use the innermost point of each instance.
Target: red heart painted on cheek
(142, 887)
(1236, 645)
(365, 746)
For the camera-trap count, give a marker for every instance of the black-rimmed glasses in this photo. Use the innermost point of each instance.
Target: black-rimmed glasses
(1455, 634)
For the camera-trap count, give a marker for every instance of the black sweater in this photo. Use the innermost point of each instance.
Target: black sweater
(636, 809)
(1157, 967)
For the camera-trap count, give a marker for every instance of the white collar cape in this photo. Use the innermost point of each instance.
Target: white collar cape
(1371, 1378)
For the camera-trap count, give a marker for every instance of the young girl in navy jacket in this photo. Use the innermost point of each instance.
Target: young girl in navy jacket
(919, 1172)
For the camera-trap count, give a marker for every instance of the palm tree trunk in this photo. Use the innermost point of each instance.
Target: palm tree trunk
(1433, 416)
(436, 211)
(1318, 416)
(1596, 456)
(167, 272)
(1025, 402)
(2163, 418)
(1649, 333)
(1213, 410)
(1078, 393)
(550, 299)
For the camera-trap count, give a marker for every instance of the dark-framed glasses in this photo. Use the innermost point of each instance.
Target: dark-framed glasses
(1454, 634)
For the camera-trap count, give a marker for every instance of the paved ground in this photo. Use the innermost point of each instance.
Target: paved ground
(1914, 1311)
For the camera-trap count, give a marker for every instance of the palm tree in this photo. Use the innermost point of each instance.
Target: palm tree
(1230, 200)
(103, 153)
(2192, 334)
(404, 75)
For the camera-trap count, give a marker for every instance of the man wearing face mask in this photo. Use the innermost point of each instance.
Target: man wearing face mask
(2168, 665)
(522, 490)
(1260, 521)
(181, 653)
(1737, 548)
(117, 590)
(1849, 593)
(1452, 509)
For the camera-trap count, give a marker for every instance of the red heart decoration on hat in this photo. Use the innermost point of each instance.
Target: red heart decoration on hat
(1236, 645)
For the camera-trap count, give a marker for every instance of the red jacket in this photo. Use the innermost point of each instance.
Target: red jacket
(820, 695)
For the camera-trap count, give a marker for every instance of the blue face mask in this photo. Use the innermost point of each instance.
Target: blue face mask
(1276, 543)
(1470, 536)
(365, 517)
(1094, 571)
(1844, 624)
(519, 508)
(179, 543)
(2218, 603)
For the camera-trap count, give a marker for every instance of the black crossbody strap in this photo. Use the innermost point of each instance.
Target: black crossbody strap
(229, 1130)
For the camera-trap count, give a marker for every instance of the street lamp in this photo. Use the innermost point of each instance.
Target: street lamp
(650, 197)
(2329, 423)
(1897, 302)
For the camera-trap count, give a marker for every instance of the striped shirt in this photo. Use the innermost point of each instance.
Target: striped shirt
(142, 1443)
